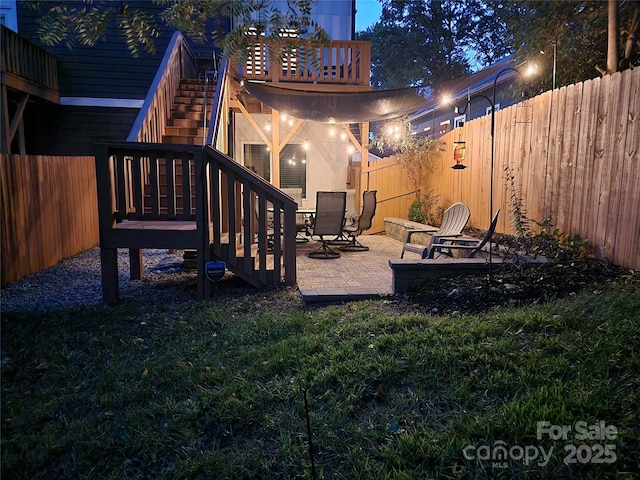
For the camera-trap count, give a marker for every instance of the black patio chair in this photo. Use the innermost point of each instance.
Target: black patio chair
(328, 221)
(362, 223)
(302, 222)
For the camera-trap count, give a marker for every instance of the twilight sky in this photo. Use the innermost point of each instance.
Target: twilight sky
(367, 13)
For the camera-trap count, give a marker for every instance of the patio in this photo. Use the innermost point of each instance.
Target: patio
(353, 276)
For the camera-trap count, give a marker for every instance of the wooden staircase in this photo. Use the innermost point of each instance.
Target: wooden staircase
(186, 124)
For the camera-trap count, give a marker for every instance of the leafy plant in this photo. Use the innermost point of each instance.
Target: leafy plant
(415, 212)
(416, 155)
(572, 243)
(517, 210)
(84, 23)
(426, 209)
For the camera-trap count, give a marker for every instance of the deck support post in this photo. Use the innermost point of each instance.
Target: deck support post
(109, 268)
(135, 264)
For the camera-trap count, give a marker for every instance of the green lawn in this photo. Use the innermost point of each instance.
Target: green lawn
(217, 390)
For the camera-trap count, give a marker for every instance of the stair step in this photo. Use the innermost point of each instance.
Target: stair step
(182, 140)
(196, 88)
(191, 100)
(192, 81)
(183, 107)
(184, 123)
(184, 131)
(195, 92)
(178, 115)
(185, 126)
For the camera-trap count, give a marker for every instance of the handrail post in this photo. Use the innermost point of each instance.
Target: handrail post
(106, 220)
(202, 224)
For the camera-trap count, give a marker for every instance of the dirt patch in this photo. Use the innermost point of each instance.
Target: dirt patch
(512, 284)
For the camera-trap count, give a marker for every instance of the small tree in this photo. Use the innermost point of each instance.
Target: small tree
(415, 154)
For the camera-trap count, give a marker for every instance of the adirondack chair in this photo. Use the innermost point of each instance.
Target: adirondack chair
(454, 220)
(466, 244)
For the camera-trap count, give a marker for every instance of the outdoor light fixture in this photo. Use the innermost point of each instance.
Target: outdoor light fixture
(459, 153)
(492, 103)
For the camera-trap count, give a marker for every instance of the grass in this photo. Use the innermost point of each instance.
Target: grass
(217, 389)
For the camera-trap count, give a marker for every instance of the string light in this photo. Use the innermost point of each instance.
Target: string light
(306, 144)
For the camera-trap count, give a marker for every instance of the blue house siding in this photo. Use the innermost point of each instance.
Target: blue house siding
(68, 130)
(89, 75)
(105, 70)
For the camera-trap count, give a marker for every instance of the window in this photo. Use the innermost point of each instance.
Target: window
(459, 121)
(444, 127)
(293, 168)
(488, 110)
(258, 159)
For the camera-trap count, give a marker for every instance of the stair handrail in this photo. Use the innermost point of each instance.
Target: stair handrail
(178, 62)
(226, 213)
(218, 103)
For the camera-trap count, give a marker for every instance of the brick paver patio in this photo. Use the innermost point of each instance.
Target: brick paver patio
(353, 276)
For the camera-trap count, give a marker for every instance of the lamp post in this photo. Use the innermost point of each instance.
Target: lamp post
(492, 103)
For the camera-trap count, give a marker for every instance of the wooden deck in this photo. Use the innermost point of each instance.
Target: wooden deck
(182, 197)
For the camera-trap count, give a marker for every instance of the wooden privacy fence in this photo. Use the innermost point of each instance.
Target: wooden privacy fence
(394, 194)
(49, 211)
(574, 156)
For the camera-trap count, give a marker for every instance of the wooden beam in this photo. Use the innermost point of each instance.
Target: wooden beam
(351, 137)
(291, 133)
(275, 151)
(19, 84)
(16, 121)
(255, 126)
(5, 144)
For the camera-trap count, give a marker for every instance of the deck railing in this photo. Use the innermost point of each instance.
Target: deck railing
(340, 62)
(152, 181)
(27, 67)
(241, 201)
(187, 197)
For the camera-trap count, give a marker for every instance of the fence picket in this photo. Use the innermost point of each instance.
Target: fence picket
(576, 163)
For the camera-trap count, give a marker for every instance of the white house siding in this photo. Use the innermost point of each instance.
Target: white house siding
(327, 156)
